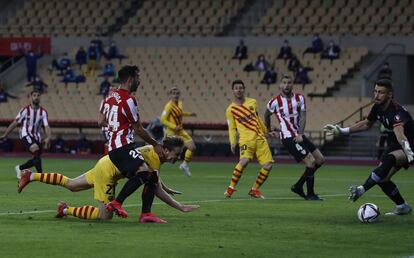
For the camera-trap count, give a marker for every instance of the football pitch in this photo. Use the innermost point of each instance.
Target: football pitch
(282, 225)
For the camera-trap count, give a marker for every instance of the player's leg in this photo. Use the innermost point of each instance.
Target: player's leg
(314, 165)
(147, 197)
(301, 154)
(129, 188)
(77, 184)
(83, 212)
(390, 161)
(264, 156)
(37, 161)
(236, 174)
(191, 148)
(34, 149)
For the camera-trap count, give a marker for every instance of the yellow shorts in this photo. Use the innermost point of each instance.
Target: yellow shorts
(182, 134)
(259, 148)
(103, 177)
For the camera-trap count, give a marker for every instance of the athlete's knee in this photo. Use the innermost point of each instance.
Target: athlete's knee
(268, 166)
(193, 147)
(310, 161)
(321, 160)
(244, 162)
(33, 148)
(72, 186)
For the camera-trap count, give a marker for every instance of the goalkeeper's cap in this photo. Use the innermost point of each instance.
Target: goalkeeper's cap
(386, 83)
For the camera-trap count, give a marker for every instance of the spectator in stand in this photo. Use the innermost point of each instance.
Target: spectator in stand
(270, 76)
(317, 45)
(294, 64)
(92, 58)
(99, 47)
(108, 70)
(61, 64)
(241, 51)
(31, 63)
(105, 87)
(82, 146)
(261, 64)
(385, 72)
(285, 51)
(59, 145)
(81, 57)
(4, 95)
(113, 53)
(331, 52)
(70, 76)
(38, 85)
(302, 77)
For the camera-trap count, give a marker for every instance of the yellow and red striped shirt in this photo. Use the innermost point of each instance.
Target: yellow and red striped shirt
(244, 120)
(172, 115)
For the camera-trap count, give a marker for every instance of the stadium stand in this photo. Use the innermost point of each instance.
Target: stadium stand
(182, 17)
(336, 17)
(204, 75)
(64, 18)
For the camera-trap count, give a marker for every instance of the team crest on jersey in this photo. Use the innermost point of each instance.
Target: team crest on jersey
(251, 108)
(397, 118)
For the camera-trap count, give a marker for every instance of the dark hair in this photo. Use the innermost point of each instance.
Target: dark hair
(237, 82)
(35, 91)
(171, 142)
(127, 72)
(386, 83)
(286, 76)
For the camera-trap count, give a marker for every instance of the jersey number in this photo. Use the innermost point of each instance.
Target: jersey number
(112, 117)
(135, 154)
(299, 148)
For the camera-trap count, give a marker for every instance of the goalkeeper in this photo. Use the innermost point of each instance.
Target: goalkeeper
(399, 152)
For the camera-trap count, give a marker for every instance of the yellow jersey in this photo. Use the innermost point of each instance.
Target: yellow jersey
(172, 115)
(150, 157)
(244, 120)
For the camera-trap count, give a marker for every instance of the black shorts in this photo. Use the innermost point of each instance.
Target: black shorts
(298, 150)
(393, 146)
(127, 159)
(28, 141)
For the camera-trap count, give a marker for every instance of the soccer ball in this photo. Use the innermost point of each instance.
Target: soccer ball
(368, 213)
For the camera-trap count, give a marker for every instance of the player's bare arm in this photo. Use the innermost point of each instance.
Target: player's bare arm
(102, 120)
(165, 197)
(302, 125)
(267, 122)
(140, 130)
(402, 139)
(9, 130)
(48, 136)
(336, 130)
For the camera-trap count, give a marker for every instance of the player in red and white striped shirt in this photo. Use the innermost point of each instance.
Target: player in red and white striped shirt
(290, 111)
(119, 112)
(31, 118)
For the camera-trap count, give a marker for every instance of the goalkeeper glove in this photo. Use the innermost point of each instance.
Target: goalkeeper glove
(335, 130)
(407, 150)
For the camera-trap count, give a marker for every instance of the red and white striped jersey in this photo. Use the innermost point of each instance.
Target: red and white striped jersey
(31, 120)
(120, 110)
(287, 111)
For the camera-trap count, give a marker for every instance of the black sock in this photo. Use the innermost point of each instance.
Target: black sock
(38, 164)
(370, 182)
(310, 180)
(28, 164)
(129, 187)
(148, 197)
(391, 190)
(304, 176)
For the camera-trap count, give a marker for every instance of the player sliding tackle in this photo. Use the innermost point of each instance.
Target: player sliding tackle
(399, 153)
(104, 176)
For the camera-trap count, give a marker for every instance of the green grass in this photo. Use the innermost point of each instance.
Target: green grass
(280, 226)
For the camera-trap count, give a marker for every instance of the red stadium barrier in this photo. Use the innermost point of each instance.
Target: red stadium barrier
(11, 46)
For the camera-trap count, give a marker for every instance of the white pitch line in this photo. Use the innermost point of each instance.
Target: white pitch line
(194, 202)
